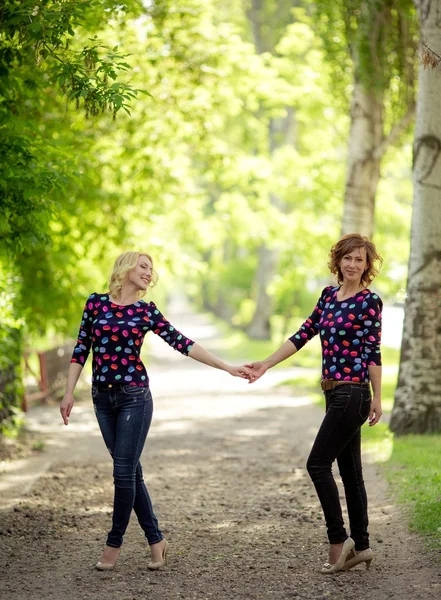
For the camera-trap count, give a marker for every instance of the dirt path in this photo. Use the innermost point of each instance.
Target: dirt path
(225, 465)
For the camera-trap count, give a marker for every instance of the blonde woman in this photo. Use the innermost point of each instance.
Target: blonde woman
(114, 325)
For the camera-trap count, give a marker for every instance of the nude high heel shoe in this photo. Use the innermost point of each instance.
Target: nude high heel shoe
(366, 556)
(337, 566)
(107, 566)
(157, 564)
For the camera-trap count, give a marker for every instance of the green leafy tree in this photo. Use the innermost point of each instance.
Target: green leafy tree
(45, 62)
(371, 45)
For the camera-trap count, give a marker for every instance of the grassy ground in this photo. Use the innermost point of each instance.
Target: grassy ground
(410, 463)
(414, 470)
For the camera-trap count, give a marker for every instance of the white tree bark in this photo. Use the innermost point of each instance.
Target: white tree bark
(363, 170)
(417, 407)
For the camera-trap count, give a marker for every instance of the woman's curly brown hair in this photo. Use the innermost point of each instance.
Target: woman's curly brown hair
(346, 245)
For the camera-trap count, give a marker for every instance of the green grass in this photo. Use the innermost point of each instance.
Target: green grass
(388, 386)
(414, 471)
(412, 466)
(377, 441)
(390, 356)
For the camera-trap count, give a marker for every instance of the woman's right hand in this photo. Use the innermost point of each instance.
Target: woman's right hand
(257, 370)
(66, 406)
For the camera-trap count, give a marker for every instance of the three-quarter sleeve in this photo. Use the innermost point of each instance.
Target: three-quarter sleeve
(310, 327)
(84, 340)
(372, 333)
(165, 330)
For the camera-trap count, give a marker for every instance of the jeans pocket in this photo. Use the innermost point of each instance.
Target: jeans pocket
(134, 390)
(341, 392)
(365, 404)
(339, 397)
(94, 392)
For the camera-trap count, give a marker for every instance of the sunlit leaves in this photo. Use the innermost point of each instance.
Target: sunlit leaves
(376, 42)
(44, 33)
(191, 174)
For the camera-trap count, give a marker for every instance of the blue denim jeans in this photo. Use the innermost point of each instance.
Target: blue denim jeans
(124, 414)
(339, 438)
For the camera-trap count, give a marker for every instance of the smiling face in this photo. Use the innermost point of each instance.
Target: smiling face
(354, 260)
(353, 264)
(141, 276)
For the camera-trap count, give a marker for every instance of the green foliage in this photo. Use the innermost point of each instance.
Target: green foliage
(414, 472)
(291, 81)
(40, 49)
(11, 343)
(27, 183)
(233, 149)
(44, 34)
(375, 42)
(47, 59)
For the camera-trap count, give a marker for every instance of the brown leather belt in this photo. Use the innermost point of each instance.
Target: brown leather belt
(330, 384)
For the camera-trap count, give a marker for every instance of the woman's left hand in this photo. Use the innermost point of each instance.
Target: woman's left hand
(239, 372)
(375, 412)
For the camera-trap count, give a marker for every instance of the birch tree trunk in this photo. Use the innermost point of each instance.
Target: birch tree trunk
(368, 141)
(417, 407)
(363, 171)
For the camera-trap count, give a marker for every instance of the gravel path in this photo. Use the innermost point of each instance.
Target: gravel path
(225, 466)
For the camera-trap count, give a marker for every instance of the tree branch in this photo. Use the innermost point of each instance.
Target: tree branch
(429, 57)
(395, 133)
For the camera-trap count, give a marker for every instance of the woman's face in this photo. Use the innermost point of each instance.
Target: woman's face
(141, 275)
(353, 265)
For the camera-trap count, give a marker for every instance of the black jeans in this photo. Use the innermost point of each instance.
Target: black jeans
(124, 415)
(339, 437)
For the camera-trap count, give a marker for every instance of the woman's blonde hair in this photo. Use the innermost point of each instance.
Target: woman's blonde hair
(346, 245)
(122, 265)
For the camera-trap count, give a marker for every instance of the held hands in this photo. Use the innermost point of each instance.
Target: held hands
(375, 412)
(66, 406)
(257, 369)
(241, 371)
